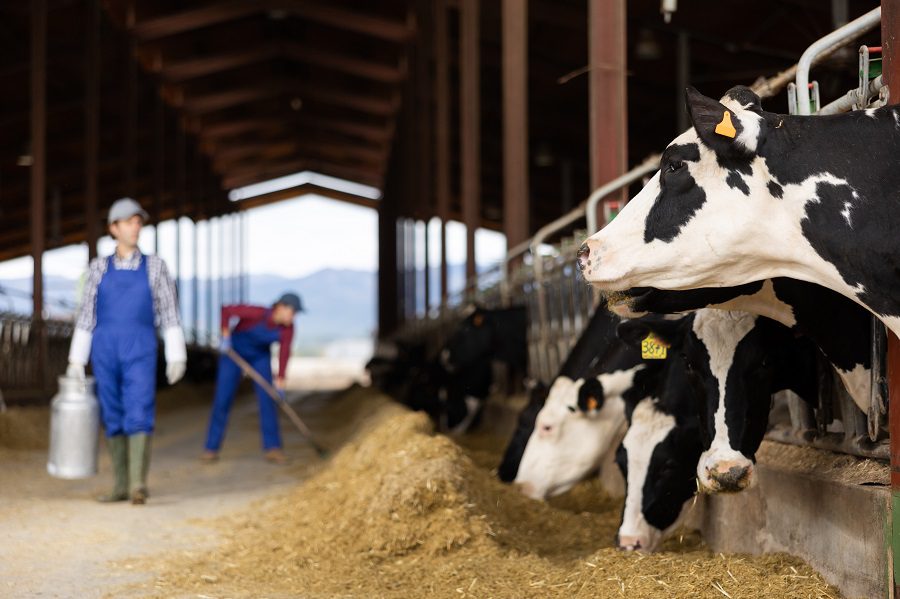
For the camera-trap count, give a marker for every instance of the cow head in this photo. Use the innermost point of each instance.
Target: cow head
(658, 455)
(580, 422)
(731, 368)
(471, 342)
(705, 219)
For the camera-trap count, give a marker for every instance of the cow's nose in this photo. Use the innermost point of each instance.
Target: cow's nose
(583, 257)
(731, 476)
(627, 543)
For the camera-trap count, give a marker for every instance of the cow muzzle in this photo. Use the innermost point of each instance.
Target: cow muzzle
(727, 476)
(583, 257)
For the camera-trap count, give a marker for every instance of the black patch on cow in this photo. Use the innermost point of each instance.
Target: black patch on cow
(649, 299)
(850, 147)
(679, 195)
(674, 207)
(736, 181)
(874, 263)
(512, 457)
(775, 189)
(671, 475)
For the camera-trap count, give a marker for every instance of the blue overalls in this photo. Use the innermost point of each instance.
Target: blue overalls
(123, 351)
(254, 346)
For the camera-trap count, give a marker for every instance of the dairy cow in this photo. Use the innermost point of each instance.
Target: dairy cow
(533, 458)
(747, 195)
(735, 362)
(838, 326)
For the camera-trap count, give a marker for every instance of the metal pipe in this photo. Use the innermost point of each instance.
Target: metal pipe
(845, 103)
(843, 36)
(650, 164)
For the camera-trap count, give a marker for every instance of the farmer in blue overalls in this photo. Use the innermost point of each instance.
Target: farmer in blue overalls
(256, 330)
(127, 295)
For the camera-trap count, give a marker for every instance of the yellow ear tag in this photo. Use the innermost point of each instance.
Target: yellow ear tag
(592, 404)
(725, 127)
(478, 320)
(653, 348)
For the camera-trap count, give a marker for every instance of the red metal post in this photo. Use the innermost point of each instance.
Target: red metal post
(470, 124)
(608, 91)
(38, 149)
(442, 132)
(92, 125)
(890, 43)
(515, 121)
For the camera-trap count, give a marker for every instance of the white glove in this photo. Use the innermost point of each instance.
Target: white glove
(174, 371)
(80, 350)
(75, 371)
(176, 350)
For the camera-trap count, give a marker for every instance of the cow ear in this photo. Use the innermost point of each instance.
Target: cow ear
(590, 396)
(636, 330)
(717, 125)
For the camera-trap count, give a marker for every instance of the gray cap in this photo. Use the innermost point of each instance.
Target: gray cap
(292, 300)
(125, 208)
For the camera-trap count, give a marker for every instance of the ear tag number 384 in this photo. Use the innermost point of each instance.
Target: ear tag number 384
(653, 348)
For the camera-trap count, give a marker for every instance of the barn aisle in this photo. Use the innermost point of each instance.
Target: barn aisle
(56, 541)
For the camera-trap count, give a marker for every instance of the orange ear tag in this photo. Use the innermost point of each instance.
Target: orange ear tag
(725, 127)
(592, 404)
(478, 320)
(653, 348)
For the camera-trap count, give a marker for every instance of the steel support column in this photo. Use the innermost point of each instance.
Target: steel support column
(442, 133)
(890, 43)
(159, 165)
(38, 179)
(91, 124)
(515, 121)
(608, 87)
(470, 124)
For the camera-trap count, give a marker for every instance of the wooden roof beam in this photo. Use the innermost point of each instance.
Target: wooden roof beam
(349, 20)
(178, 71)
(365, 69)
(194, 18)
(250, 173)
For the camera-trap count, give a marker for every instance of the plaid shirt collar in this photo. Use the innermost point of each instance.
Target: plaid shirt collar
(132, 262)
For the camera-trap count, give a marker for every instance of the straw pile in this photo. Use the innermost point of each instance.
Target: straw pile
(401, 512)
(24, 428)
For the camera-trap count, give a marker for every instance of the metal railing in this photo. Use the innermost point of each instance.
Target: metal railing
(23, 343)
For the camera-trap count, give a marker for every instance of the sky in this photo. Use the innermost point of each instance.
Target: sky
(292, 239)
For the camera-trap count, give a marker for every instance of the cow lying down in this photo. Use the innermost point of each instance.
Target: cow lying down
(676, 429)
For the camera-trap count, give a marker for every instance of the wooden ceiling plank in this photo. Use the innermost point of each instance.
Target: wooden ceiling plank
(341, 18)
(174, 72)
(365, 69)
(194, 18)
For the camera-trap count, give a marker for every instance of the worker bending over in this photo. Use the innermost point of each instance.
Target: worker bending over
(256, 330)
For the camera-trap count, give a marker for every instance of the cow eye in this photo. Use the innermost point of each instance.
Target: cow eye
(674, 166)
(571, 409)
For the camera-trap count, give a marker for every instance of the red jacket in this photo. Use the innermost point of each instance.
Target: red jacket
(250, 316)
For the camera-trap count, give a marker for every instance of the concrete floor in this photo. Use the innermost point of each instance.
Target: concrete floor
(56, 541)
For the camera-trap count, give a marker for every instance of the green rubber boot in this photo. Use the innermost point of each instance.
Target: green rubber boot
(118, 451)
(138, 465)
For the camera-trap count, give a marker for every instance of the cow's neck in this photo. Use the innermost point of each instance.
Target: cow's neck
(841, 188)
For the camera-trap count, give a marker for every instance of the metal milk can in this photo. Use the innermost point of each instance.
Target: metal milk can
(74, 429)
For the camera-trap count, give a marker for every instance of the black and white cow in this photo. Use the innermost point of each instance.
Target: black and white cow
(489, 335)
(532, 458)
(838, 326)
(747, 195)
(736, 361)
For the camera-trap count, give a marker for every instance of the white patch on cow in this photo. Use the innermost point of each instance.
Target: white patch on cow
(566, 445)
(720, 332)
(896, 114)
(858, 383)
(870, 112)
(649, 427)
(763, 303)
